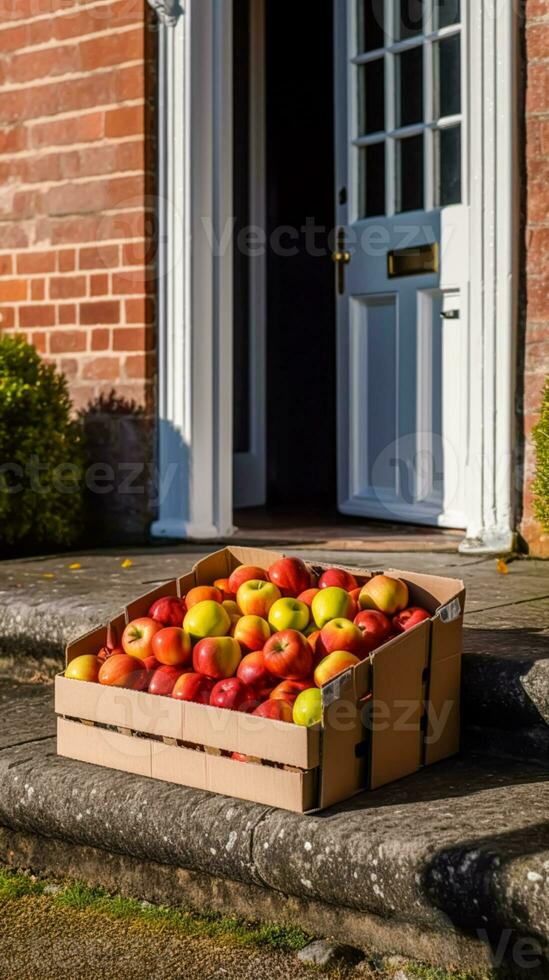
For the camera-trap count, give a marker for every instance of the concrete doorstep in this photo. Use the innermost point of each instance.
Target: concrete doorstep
(450, 866)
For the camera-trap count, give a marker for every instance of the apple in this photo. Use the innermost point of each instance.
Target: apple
(256, 596)
(172, 646)
(287, 614)
(84, 668)
(217, 657)
(252, 632)
(340, 634)
(245, 573)
(275, 710)
(202, 593)
(233, 610)
(234, 694)
(332, 665)
(104, 653)
(375, 628)
(307, 596)
(288, 655)
(193, 687)
(355, 593)
(240, 757)
(289, 690)
(252, 671)
(223, 585)
(137, 637)
(291, 575)
(384, 593)
(409, 618)
(169, 611)
(338, 577)
(122, 670)
(307, 709)
(331, 603)
(207, 618)
(164, 678)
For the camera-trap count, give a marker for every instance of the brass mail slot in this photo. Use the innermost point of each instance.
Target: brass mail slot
(415, 261)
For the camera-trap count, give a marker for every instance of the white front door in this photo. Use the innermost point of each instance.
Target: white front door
(403, 297)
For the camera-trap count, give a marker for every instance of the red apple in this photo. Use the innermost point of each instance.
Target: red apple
(193, 687)
(169, 611)
(375, 628)
(338, 577)
(252, 671)
(252, 632)
(288, 655)
(289, 690)
(105, 653)
(386, 594)
(355, 593)
(340, 634)
(275, 710)
(332, 665)
(291, 575)
(240, 757)
(256, 596)
(137, 637)
(307, 596)
(234, 694)
(409, 618)
(172, 646)
(123, 670)
(203, 593)
(217, 657)
(244, 573)
(223, 585)
(164, 678)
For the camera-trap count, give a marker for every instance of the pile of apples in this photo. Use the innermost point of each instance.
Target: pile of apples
(264, 641)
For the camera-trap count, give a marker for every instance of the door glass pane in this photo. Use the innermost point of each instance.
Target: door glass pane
(448, 75)
(371, 97)
(241, 262)
(449, 149)
(410, 87)
(370, 25)
(448, 12)
(372, 180)
(409, 18)
(409, 155)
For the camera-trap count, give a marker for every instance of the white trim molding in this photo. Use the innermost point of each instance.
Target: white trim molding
(194, 269)
(494, 238)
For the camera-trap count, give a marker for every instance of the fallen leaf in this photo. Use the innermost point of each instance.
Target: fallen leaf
(502, 567)
(127, 563)
(75, 566)
(48, 575)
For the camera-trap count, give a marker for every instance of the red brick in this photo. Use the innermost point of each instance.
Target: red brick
(13, 290)
(7, 318)
(62, 341)
(13, 140)
(126, 121)
(38, 289)
(138, 253)
(102, 369)
(132, 281)
(139, 365)
(99, 284)
(140, 310)
(69, 367)
(537, 89)
(100, 311)
(67, 260)
(31, 262)
(39, 341)
(6, 265)
(537, 41)
(67, 287)
(112, 49)
(80, 129)
(538, 249)
(100, 339)
(100, 257)
(67, 314)
(132, 338)
(37, 316)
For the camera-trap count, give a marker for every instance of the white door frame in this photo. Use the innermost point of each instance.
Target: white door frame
(195, 283)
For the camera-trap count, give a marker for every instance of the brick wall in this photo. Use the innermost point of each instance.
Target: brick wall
(76, 197)
(535, 354)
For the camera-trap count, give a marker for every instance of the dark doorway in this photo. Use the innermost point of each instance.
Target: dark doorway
(300, 378)
(301, 355)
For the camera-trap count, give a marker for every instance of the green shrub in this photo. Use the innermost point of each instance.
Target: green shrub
(541, 483)
(41, 454)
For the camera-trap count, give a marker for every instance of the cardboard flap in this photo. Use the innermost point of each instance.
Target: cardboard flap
(343, 767)
(429, 591)
(397, 706)
(92, 642)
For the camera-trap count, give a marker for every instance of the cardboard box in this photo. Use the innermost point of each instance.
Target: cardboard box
(387, 717)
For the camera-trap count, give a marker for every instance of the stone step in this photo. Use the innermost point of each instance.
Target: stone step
(450, 865)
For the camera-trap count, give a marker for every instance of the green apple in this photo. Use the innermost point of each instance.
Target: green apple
(308, 707)
(289, 614)
(207, 618)
(331, 603)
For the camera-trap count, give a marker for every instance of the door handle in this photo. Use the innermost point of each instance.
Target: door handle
(341, 257)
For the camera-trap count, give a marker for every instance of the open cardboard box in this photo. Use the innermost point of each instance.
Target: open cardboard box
(383, 719)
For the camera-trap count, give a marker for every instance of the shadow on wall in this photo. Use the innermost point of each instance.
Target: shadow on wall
(120, 470)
